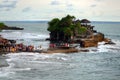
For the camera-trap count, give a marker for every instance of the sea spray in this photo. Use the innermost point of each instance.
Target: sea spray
(22, 35)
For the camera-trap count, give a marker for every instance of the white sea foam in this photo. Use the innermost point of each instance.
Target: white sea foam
(24, 58)
(109, 47)
(23, 35)
(102, 48)
(27, 38)
(25, 61)
(6, 73)
(35, 56)
(106, 48)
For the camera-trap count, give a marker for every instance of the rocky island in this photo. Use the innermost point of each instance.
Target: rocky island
(64, 33)
(69, 30)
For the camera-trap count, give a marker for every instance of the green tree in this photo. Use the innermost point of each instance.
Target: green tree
(61, 29)
(64, 29)
(2, 26)
(67, 21)
(53, 24)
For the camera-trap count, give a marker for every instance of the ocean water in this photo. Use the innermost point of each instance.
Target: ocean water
(101, 63)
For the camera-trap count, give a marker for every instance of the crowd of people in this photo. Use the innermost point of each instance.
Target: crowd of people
(57, 45)
(11, 46)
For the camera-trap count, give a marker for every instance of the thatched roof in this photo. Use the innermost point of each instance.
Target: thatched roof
(85, 21)
(76, 21)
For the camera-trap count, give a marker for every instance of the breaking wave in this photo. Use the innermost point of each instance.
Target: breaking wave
(22, 35)
(26, 37)
(106, 48)
(25, 61)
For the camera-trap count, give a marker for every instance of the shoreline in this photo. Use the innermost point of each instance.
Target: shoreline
(66, 51)
(17, 48)
(52, 51)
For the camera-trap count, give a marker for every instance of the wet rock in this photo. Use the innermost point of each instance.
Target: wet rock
(12, 28)
(92, 42)
(99, 37)
(88, 43)
(108, 41)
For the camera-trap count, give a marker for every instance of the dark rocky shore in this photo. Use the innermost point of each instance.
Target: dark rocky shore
(5, 27)
(12, 28)
(10, 46)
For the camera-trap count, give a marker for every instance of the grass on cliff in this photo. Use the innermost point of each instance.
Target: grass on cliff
(2, 25)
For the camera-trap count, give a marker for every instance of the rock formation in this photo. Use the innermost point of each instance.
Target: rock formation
(12, 28)
(5, 27)
(74, 31)
(92, 42)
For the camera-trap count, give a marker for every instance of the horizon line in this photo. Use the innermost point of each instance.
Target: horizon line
(44, 21)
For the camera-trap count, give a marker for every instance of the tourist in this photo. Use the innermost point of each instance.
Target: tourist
(39, 49)
(66, 45)
(30, 48)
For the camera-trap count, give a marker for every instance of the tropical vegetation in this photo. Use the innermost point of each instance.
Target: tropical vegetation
(2, 25)
(65, 29)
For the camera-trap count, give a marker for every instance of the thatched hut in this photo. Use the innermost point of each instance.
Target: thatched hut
(85, 22)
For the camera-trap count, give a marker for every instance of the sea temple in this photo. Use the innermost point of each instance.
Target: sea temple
(64, 33)
(68, 30)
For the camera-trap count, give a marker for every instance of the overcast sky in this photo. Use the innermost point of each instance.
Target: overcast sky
(95, 10)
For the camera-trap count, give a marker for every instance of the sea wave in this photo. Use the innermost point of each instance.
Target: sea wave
(6, 73)
(107, 48)
(27, 38)
(113, 35)
(18, 35)
(3, 62)
(30, 61)
(36, 56)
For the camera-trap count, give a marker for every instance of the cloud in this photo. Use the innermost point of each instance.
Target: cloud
(55, 2)
(69, 5)
(60, 2)
(99, 0)
(48, 9)
(94, 5)
(8, 5)
(27, 9)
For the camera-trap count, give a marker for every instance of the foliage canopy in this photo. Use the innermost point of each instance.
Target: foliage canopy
(65, 28)
(2, 25)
